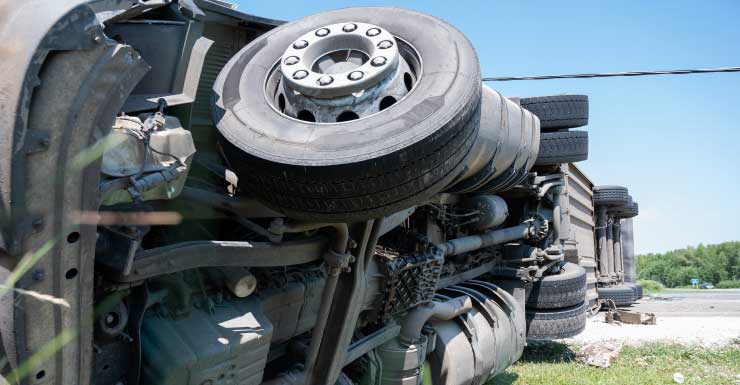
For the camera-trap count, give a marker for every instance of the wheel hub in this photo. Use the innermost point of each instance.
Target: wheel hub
(339, 59)
(342, 72)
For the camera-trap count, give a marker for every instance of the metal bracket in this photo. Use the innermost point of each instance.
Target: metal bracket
(337, 260)
(36, 141)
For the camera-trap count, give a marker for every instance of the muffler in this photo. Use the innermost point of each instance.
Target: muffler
(476, 330)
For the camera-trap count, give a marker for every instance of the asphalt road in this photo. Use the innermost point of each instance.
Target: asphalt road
(692, 303)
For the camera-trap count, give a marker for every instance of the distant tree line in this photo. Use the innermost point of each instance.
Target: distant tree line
(711, 263)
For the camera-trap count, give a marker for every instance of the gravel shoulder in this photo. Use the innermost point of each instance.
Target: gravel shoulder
(695, 331)
(706, 318)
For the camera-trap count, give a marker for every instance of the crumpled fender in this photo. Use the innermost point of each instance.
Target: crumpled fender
(29, 29)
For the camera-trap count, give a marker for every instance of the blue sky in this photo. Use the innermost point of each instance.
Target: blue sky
(673, 140)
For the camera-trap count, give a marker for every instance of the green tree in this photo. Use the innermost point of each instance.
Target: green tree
(709, 263)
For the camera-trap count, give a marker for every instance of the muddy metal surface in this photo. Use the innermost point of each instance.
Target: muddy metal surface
(692, 303)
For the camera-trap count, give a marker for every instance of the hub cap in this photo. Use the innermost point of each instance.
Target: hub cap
(334, 52)
(341, 72)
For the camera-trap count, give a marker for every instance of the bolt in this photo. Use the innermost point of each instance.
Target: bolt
(37, 224)
(385, 44)
(349, 27)
(325, 80)
(378, 61)
(300, 44)
(321, 32)
(292, 60)
(373, 32)
(355, 75)
(301, 74)
(39, 275)
(97, 39)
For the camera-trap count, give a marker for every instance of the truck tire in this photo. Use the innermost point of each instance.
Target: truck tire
(328, 172)
(636, 289)
(558, 111)
(562, 147)
(556, 323)
(628, 210)
(622, 295)
(559, 290)
(610, 195)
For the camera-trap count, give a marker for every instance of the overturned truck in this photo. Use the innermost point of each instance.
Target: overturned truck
(199, 196)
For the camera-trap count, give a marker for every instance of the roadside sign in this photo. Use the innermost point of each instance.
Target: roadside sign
(694, 282)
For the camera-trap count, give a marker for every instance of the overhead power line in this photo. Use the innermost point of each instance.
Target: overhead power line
(614, 74)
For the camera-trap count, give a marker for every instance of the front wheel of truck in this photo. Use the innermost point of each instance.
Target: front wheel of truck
(320, 138)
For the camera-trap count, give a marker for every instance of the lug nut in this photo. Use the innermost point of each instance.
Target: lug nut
(385, 44)
(373, 32)
(325, 80)
(378, 61)
(321, 32)
(292, 60)
(355, 75)
(301, 74)
(300, 44)
(349, 27)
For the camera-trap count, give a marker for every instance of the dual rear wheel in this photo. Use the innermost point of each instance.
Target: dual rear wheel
(556, 304)
(558, 114)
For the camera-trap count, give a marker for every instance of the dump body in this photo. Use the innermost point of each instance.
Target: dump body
(580, 244)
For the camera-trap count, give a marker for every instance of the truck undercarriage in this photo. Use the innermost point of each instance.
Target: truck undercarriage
(211, 197)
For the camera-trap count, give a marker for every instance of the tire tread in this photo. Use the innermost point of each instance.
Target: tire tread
(559, 111)
(556, 324)
(562, 147)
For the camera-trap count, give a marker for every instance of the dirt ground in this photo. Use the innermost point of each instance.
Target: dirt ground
(709, 318)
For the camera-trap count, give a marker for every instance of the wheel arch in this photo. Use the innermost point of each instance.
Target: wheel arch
(33, 152)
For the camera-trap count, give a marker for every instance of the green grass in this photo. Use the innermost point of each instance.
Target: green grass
(554, 364)
(649, 286)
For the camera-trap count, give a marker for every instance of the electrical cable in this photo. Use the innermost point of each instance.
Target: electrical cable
(613, 74)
